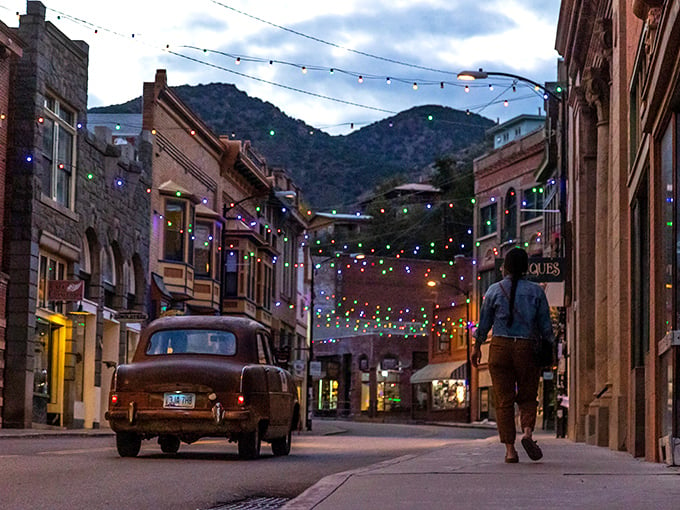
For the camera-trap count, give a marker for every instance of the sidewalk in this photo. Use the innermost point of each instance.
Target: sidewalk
(472, 475)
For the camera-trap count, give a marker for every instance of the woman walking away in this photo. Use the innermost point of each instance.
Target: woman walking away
(518, 312)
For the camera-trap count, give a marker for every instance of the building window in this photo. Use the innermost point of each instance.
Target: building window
(666, 311)
(251, 276)
(267, 287)
(58, 151)
(486, 278)
(174, 230)
(640, 269)
(510, 216)
(231, 273)
(108, 277)
(288, 277)
(50, 268)
(487, 220)
(203, 249)
(442, 337)
(532, 203)
(45, 360)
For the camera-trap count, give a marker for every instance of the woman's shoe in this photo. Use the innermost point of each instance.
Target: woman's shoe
(533, 450)
(512, 460)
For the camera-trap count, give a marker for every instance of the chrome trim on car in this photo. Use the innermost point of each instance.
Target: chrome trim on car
(218, 413)
(132, 413)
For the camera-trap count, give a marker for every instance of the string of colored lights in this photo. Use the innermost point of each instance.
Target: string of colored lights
(415, 82)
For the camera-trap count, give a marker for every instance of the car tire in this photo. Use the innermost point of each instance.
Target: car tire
(249, 444)
(169, 444)
(281, 445)
(128, 444)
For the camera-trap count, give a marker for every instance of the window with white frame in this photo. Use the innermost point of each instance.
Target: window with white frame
(58, 151)
(487, 220)
(532, 203)
(178, 231)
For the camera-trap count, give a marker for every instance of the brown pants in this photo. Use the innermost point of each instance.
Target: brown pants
(515, 377)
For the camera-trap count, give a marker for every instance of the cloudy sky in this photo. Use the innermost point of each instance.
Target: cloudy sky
(386, 56)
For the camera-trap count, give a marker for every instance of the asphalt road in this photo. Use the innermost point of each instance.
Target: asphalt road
(87, 473)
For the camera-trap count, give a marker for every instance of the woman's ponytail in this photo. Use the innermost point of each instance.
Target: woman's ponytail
(516, 263)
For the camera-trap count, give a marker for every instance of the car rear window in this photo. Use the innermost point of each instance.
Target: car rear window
(192, 341)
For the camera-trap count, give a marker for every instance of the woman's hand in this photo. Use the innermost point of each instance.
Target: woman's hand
(476, 355)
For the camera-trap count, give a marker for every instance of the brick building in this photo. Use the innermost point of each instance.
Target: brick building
(74, 264)
(376, 323)
(509, 212)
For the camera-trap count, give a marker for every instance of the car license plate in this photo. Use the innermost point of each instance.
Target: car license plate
(179, 400)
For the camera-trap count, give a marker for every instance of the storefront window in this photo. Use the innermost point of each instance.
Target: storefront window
(328, 395)
(448, 394)
(45, 352)
(668, 245)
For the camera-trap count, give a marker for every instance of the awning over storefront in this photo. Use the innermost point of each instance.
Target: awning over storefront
(439, 371)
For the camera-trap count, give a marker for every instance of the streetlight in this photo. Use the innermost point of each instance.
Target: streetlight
(468, 363)
(482, 75)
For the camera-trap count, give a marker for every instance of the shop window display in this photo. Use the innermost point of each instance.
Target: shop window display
(448, 394)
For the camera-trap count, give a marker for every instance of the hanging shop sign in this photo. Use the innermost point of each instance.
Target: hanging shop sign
(65, 290)
(541, 269)
(130, 316)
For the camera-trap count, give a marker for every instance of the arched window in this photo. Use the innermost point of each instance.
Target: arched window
(510, 216)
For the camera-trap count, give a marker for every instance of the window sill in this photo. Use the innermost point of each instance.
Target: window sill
(53, 204)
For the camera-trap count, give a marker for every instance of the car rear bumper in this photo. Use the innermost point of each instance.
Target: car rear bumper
(174, 421)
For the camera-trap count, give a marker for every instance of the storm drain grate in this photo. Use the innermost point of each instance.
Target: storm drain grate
(256, 503)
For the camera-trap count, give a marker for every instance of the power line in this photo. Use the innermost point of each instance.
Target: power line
(334, 45)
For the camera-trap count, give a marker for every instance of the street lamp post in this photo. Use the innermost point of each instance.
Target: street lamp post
(468, 361)
(481, 75)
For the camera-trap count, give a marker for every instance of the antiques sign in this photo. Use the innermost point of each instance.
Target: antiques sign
(65, 290)
(541, 269)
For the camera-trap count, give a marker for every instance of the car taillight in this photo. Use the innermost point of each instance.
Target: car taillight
(114, 399)
(241, 400)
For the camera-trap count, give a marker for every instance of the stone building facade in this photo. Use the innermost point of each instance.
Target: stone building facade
(620, 66)
(10, 51)
(77, 231)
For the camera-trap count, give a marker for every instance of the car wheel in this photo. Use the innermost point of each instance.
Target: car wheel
(281, 445)
(249, 444)
(128, 444)
(169, 444)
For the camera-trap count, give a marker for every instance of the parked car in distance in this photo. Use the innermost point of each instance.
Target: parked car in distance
(203, 376)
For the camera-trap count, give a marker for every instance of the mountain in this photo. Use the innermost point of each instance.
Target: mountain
(332, 171)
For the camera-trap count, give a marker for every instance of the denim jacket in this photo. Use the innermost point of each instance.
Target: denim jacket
(532, 314)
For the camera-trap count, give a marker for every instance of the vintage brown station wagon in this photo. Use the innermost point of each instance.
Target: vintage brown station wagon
(203, 376)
